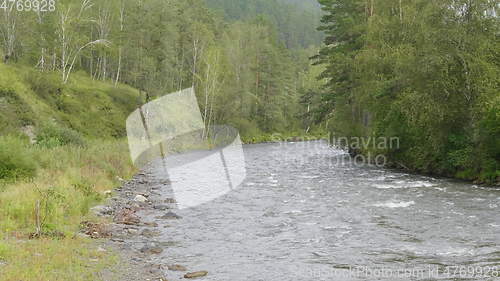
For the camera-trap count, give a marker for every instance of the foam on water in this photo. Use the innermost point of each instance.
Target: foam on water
(393, 205)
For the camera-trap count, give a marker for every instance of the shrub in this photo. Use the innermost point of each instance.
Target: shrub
(46, 85)
(50, 135)
(15, 160)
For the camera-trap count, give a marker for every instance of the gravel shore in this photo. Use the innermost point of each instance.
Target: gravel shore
(137, 212)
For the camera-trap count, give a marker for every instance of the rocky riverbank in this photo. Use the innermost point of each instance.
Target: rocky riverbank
(135, 215)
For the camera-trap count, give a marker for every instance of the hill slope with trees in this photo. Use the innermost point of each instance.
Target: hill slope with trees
(295, 21)
(427, 72)
(241, 70)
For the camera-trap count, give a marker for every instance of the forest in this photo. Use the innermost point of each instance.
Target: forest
(248, 68)
(427, 72)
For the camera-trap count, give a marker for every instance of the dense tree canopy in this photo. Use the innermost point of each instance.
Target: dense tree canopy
(425, 71)
(242, 70)
(296, 21)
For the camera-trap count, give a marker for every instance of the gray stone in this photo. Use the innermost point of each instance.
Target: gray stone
(161, 207)
(151, 249)
(170, 216)
(102, 210)
(149, 233)
(140, 198)
(176, 267)
(195, 274)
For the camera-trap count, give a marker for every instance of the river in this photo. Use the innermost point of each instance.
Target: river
(306, 212)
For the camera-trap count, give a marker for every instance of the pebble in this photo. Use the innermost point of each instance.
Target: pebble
(132, 231)
(140, 198)
(82, 235)
(196, 274)
(161, 207)
(149, 233)
(102, 210)
(176, 267)
(151, 249)
(126, 216)
(170, 216)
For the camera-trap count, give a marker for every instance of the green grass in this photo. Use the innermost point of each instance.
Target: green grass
(95, 109)
(15, 162)
(69, 181)
(47, 259)
(79, 153)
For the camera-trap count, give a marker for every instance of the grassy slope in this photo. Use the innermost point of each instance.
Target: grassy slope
(69, 180)
(97, 109)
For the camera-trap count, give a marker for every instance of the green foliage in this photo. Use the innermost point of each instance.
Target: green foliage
(424, 71)
(93, 108)
(13, 105)
(248, 68)
(51, 135)
(16, 162)
(296, 21)
(69, 181)
(48, 87)
(246, 128)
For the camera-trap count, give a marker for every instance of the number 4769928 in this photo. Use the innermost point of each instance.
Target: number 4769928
(28, 5)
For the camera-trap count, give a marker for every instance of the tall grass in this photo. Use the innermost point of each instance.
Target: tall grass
(70, 179)
(15, 162)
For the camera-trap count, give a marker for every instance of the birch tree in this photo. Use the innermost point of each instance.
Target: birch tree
(9, 30)
(71, 41)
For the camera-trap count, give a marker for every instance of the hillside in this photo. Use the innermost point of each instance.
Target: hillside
(31, 98)
(296, 21)
(427, 74)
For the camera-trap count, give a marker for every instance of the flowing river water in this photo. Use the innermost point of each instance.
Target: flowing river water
(306, 212)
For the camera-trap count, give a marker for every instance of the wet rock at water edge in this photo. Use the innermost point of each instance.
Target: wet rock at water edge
(176, 267)
(151, 249)
(151, 224)
(161, 207)
(170, 216)
(155, 269)
(150, 233)
(170, 201)
(195, 274)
